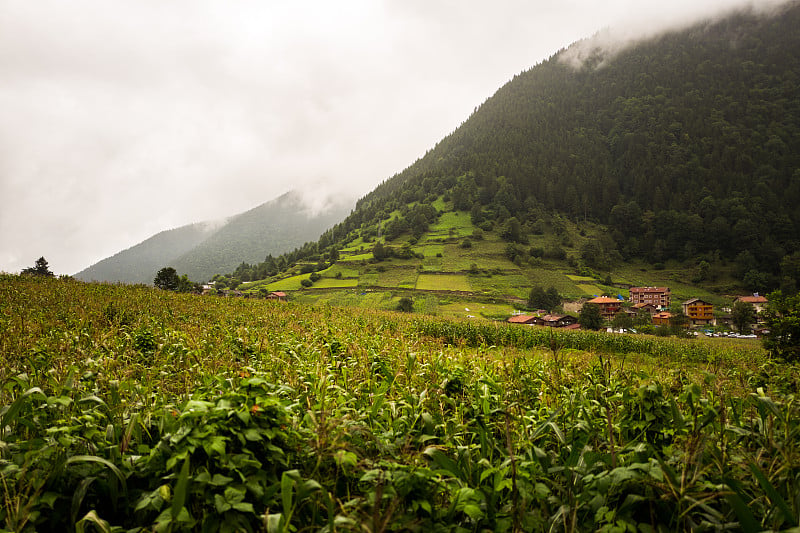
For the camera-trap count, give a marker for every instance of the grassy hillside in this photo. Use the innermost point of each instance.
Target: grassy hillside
(456, 269)
(134, 409)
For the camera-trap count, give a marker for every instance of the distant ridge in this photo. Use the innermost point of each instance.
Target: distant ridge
(203, 249)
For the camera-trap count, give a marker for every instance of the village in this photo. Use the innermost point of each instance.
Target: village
(653, 306)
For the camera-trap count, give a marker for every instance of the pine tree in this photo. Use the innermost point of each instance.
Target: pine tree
(40, 269)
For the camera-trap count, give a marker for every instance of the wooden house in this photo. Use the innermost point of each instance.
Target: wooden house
(556, 321)
(277, 295)
(645, 307)
(700, 312)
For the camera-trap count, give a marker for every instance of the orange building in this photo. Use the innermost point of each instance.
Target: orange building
(700, 312)
(608, 306)
(656, 296)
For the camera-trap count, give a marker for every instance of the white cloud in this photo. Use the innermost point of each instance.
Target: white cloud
(121, 119)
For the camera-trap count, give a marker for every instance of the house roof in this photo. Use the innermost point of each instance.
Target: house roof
(649, 289)
(752, 299)
(573, 326)
(603, 300)
(663, 314)
(521, 319)
(552, 318)
(694, 301)
(278, 294)
(643, 305)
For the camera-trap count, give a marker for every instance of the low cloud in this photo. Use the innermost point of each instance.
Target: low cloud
(607, 43)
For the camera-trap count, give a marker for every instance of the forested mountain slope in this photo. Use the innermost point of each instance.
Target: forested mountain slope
(203, 249)
(271, 228)
(139, 263)
(686, 144)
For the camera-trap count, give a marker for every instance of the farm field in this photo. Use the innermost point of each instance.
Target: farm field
(125, 408)
(447, 282)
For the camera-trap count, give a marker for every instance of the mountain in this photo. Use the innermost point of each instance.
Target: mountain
(203, 249)
(684, 147)
(139, 263)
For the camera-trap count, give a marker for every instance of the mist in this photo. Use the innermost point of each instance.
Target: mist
(123, 119)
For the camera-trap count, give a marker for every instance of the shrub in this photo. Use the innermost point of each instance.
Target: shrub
(405, 304)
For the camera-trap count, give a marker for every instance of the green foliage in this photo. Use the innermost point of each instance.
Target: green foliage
(167, 279)
(782, 320)
(743, 315)
(379, 251)
(406, 304)
(40, 268)
(541, 299)
(134, 409)
(590, 317)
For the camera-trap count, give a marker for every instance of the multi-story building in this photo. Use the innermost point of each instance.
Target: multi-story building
(656, 296)
(700, 312)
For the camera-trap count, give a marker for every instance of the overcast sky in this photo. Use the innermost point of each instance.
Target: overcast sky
(119, 119)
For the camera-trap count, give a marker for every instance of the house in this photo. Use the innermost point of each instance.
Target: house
(523, 319)
(556, 321)
(700, 312)
(645, 307)
(657, 296)
(280, 296)
(608, 306)
(757, 301)
(662, 318)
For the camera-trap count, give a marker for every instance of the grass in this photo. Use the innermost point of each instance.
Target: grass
(340, 271)
(443, 282)
(357, 257)
(590, 289)
(580, 278)
(397, 277)
(455, 224)
(333, 283)
(432, 250)
(292, 283)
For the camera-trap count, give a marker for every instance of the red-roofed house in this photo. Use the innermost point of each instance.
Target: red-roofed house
(657, 296)
(758, 301)
(523, 319)
(280, 296)
(608, 306)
